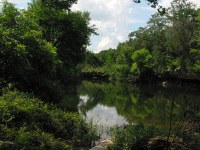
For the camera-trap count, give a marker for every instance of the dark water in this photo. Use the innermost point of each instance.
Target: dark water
(110, 104)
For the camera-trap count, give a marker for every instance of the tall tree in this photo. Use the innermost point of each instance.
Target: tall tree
(195, 51)
(182, 30)
(158, 26)
(68, 31)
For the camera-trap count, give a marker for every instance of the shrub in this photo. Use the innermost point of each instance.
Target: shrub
(142, 60)
(27, 121)
(127, 137)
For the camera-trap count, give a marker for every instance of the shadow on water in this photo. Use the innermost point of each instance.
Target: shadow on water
(70, 97)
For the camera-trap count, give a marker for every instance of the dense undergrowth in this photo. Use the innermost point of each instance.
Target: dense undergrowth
(133, 136)
(28, 123)
(186, 135)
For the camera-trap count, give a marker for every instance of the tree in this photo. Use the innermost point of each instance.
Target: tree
(182, 30)
(195, 52)
(57, 4)
(198, 27)
(154, 4)
(141, 61)
(142, 39)
(168, 41)
(158, 26)
(26, 59)
(92, 60)
(68, 31)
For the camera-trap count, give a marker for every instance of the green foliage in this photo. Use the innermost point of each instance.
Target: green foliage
(121, 71)
(98, 70)
(154, 4)
(141, 61)
(68, 31)
(195, 54)
(138, 136)
(24, 139)
(56, 4)
(130, 136)
(41, 46)
(198, 25)
(168, 39)
(182, 15)
(27, 59)
(92, 60)
(135, 69)
(29, 122)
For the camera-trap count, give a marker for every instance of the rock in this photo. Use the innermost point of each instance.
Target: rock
(160, 143)
(103, 145)
(165, 84)
(157, 143)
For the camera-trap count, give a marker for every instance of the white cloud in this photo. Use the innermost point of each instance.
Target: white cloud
(166, 3)
(13, 1)
(148, 8)
(120, 38)
(112, 18)
(105, 43)
(116, 18)
(101, 114)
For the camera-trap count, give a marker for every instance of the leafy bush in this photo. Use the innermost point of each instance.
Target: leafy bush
(127, 137)
(37, 139)
(141, 61)
(183, 136)
(29, 122)
(195, 54)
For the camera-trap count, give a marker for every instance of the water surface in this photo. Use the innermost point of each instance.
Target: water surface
(108, 104)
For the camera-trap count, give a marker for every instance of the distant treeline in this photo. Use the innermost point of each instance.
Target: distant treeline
(168, 46)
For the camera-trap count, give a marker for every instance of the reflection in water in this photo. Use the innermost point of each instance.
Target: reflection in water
(105, 116)
(109, 104)
(102, 116)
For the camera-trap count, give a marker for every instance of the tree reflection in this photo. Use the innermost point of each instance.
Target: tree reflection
(149, 104)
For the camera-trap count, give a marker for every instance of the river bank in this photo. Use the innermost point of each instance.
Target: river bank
(146, 78)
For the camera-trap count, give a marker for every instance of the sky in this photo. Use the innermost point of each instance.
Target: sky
(114, 19)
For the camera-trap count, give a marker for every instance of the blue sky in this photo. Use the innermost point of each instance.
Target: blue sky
(115, 19)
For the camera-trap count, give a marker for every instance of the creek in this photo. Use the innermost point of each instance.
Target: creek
(109, 104)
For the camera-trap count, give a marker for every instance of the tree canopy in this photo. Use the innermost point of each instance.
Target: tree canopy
(41, 46)
(154, 4)
(168, 45)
